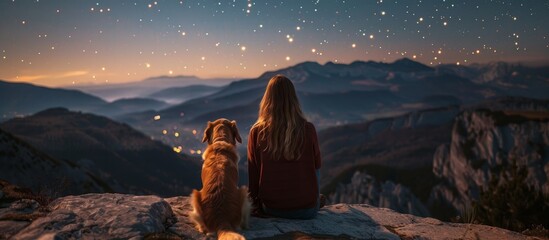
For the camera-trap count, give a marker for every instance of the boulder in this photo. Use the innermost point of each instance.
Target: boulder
(101, 216)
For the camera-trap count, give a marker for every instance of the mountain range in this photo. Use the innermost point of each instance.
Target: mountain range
(338, 94)
(176, 95)
(22, 99)
(373, 89)
(17, 99)
(149, 86)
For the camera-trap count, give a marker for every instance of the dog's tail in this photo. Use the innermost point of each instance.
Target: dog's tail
(196, 214)
(229, 235)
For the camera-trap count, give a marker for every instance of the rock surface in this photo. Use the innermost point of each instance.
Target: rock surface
(108, 216)
(101, 216)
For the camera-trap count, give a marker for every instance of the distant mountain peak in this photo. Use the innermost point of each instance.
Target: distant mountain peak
(53, 111)
(405, 60)
(406, 64)
(308, 64)
(400, 65)
(164, 77)
(330, 63)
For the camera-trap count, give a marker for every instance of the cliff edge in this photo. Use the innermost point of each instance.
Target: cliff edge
(121, 216)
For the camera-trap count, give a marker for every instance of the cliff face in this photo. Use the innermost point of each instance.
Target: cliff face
(483, 142)
(364, 188)
(374, 162)
(119, 216)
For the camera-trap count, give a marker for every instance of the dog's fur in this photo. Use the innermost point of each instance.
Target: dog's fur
(221, 206)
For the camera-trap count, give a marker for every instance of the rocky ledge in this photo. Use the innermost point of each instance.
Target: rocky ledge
(120, 216)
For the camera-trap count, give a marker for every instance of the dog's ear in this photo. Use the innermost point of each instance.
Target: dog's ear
(235, 131)
(208, 133)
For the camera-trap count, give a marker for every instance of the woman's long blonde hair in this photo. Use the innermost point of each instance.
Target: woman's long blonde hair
(281, 122)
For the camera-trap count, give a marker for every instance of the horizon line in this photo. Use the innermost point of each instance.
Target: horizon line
(532, 63)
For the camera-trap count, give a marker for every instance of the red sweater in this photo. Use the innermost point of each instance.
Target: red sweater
(279, 183)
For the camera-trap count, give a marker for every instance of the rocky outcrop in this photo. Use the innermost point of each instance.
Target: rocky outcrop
(109, 216)
(483, 142)
(364, 188)
(101, 216)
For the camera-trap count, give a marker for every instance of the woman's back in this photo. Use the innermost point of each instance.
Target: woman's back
(283, 155)
(285, 183)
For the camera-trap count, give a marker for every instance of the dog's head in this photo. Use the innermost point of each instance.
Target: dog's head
(222, 129)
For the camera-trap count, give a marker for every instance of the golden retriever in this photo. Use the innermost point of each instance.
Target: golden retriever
(221, 206)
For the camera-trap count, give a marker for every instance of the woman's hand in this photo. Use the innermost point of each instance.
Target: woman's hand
(258, 212)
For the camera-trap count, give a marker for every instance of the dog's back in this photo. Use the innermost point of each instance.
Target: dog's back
(220, 202)
(221, 205)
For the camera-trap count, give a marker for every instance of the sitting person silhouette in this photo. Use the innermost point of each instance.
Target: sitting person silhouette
(283, 156)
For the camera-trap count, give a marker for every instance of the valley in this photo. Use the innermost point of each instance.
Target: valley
(403, 135)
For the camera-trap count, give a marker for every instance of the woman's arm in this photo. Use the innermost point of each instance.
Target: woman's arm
(253, 171)
(316, 148)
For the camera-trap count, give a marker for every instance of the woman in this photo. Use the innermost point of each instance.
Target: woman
(283, 156)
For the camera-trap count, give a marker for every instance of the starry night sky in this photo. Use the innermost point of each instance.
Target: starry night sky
(64, 42)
